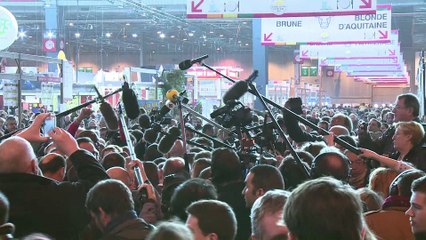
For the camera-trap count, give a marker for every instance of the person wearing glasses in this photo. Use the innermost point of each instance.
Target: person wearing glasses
(406, 109)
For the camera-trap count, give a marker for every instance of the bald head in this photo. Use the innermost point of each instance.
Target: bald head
(339, 130)
(173, 165)
(17, 156)
(120, 174)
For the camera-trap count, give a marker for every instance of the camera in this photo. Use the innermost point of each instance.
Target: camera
(232, 114)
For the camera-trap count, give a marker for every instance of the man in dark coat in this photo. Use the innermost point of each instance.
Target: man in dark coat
(40, 204)
(111, 207)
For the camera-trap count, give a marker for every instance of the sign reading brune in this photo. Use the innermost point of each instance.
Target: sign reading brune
(8, 28)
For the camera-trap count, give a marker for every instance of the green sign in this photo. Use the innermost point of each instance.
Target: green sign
(305, 71)
(313, 71)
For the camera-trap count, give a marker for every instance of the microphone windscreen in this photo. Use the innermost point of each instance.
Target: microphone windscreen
(144, 121)
(185, 65)
(172, 94)
(108, 113)
(130, 102)
(174, 131)
(164, 110)
(150, 135)
(236, 91)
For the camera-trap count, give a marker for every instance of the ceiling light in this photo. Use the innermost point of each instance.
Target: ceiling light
(50, 34)
(190, 34)
(162, 35)
(134, 35)
(172, 36)
(71, 24)
(159, 32)
(107, 35)
(127, 24)
(184, 39)
(218, 49)
(22, 34)
(211, 32)
(247, 44)
(221, 35)
(77, 35)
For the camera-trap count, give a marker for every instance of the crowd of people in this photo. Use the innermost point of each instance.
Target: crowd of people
(79, 180)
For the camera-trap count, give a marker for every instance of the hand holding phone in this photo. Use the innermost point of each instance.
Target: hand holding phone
(48, 125)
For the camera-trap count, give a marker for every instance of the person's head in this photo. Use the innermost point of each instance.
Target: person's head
(374, 125)
(53, 166)
(267, 215)
(173, 165)
(107, 200)
(170, 231)
(417, 210)
(380, 180)
(199, 165)
(259, 180)
(408, 132)
(339, 130)
(211, 219)
(226, 166)
(17, 156)
(311, 211)
(11, 123)
(203, 154)
(371, 201)
(208, 129)
(92, 134)
(87, 144)
(331, 162)
(401, 185)
(113, 160)
(292, 174)
(342, 120)
(121, 174)
(323, 125)
(188, 192)
(406, 108)
(313, 148)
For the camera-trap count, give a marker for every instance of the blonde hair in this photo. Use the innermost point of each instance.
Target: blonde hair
(414, 129)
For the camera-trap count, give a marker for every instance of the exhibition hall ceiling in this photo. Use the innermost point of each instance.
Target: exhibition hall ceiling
(123, 26)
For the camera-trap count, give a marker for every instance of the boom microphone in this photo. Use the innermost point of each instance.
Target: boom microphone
(174, 96)
(151, 134)
(108, 113)
(167, 142)
(239, 88)
(188, 63)
(130, 102)
(164, 110)
(144, 121)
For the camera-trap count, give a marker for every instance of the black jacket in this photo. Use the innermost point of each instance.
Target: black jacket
(39, 204)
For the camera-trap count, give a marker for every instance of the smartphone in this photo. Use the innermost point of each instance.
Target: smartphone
(49, 124)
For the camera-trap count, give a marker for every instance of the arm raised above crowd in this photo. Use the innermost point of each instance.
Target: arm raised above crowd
(32, 133)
